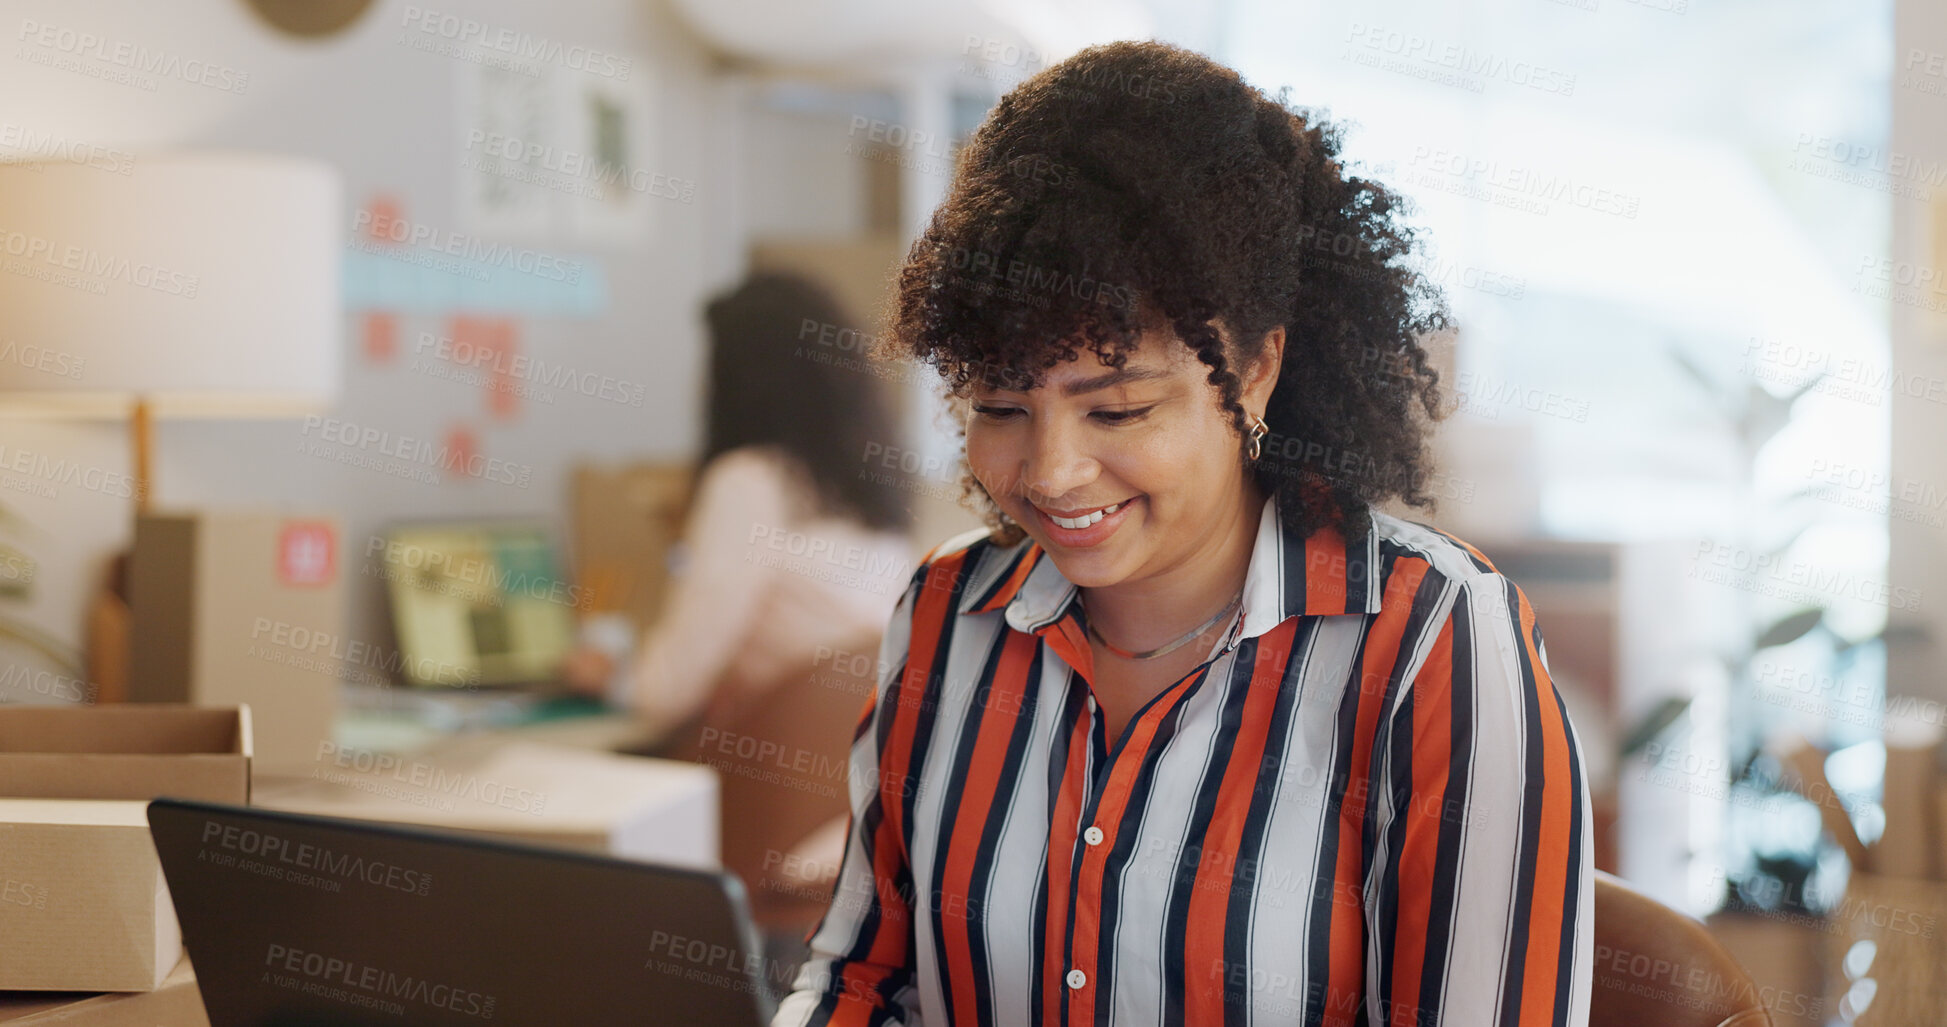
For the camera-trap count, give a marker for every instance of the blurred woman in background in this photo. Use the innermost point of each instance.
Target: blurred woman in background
(792, 562)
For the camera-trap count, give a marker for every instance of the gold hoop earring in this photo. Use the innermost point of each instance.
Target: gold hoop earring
(1258, 431)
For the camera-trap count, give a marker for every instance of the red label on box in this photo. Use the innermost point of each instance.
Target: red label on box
(307, 553)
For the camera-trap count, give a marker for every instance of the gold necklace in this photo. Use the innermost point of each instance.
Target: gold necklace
(1173, 646)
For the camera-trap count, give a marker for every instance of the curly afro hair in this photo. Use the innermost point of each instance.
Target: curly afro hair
(1138, 185)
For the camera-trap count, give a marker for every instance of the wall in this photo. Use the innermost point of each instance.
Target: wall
(383, 111)
(1918, 559)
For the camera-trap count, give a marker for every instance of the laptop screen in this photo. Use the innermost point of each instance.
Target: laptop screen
(293, 919)
(478, 603)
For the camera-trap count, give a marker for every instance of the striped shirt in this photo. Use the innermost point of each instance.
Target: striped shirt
(1366, 806)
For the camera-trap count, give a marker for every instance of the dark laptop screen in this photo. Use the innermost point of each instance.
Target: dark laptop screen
(298, 920)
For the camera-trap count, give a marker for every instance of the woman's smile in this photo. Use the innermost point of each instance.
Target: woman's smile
(1090, 529)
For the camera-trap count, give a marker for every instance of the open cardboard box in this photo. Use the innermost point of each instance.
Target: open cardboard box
(125, 752)
(83, 904)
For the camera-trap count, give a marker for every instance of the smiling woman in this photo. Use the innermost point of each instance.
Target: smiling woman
(1192, 732)
(1111, 472)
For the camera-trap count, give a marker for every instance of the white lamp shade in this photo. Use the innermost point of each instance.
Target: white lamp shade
(791, 32)
(204, 283)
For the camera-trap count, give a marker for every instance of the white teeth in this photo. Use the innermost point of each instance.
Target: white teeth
(1085, 521)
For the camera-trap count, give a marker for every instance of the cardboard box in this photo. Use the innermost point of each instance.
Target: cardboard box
(1905, 847)
(125, 752)
(235, 609)
(632, 807)
(177, 1003)
(626, 521)
(83, 904)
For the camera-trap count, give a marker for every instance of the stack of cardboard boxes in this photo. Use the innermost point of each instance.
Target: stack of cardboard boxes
(84, 910)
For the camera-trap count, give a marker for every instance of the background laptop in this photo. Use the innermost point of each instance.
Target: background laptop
(300, 920)
(479, 603)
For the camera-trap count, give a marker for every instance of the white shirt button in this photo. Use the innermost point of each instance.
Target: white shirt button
(1093, 835)
(1076, 978)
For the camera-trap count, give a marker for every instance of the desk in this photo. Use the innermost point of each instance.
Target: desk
(555, 781)
(176, 1003)
(399, 720)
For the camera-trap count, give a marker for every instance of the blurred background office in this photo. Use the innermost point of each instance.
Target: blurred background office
(1694, 248)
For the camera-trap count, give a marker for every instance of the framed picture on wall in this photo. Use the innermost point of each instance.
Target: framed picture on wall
(508, 124)
(608, 123)
(555, 154)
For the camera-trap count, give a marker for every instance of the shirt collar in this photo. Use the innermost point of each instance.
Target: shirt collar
(1289, 576)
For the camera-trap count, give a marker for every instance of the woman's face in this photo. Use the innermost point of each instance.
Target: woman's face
(1118, 473)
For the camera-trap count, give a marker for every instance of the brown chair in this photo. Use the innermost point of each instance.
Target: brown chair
(1656, 966)
(781, 752)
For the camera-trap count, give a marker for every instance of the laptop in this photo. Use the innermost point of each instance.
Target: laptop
(312, 921)
(478, 604)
